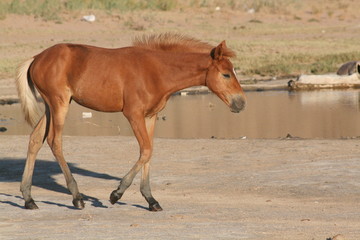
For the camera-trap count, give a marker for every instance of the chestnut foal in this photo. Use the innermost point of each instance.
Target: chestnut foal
(137, 80)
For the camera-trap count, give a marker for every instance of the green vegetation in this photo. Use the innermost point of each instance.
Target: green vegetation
(53, 9)
(7, 67)
(295, 64)
(46, 9)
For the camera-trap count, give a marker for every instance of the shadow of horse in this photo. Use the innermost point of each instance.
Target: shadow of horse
(11, 171)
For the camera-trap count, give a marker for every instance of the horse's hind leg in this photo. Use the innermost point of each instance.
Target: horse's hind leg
(58, 114)
(36, 141)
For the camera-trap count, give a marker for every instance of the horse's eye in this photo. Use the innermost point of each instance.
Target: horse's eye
(226, 75)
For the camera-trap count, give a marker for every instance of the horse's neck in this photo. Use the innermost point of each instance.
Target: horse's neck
(187, 71)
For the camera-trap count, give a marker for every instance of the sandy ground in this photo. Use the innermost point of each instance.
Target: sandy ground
(209, 189)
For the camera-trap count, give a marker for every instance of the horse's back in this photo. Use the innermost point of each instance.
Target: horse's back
(90, 73)
(104, 79)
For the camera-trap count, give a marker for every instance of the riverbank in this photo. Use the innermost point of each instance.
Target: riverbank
(209, 189)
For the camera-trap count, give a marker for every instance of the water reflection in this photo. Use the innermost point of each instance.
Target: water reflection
(312, 114)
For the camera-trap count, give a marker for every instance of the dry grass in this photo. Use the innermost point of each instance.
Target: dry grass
(282, 37)
(314, 49)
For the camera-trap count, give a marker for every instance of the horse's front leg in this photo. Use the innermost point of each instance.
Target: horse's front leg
(143, 130)
(146, 191)
(145, 176)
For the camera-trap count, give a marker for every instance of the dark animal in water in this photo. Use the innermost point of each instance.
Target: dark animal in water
(349, 68)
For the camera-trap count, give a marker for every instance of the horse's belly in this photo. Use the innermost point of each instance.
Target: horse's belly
(101, 103)
(97, 93)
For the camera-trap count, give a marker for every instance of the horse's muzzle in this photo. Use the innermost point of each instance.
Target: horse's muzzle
(237, 103)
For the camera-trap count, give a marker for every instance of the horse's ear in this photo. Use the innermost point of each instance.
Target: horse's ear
(217, 53)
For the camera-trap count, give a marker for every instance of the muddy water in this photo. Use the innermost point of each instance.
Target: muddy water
(314, 114)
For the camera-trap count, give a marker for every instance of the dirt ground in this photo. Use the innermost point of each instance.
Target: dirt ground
(209, 189)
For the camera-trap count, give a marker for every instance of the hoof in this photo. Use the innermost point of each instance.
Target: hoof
(78, 203)
(155, 207)
(114, 197)
(31, 204)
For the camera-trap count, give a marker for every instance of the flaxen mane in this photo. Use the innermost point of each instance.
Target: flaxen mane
(176, 43)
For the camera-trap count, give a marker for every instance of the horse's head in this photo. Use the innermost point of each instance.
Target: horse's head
(221, 78)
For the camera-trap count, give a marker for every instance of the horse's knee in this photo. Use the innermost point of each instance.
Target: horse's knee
(145, 156)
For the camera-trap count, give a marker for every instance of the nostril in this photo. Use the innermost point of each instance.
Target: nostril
(241, 104)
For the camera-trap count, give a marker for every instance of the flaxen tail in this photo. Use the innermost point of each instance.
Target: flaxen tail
(27, 93)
